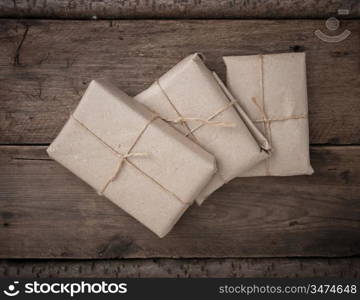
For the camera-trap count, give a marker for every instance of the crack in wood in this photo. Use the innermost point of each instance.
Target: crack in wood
(17, 51)
(26, 158)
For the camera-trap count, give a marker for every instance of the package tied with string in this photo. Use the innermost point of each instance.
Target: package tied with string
(193, 99)
(132, 157)
(272, 90)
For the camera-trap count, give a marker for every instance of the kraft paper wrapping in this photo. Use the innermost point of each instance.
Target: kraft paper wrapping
(272, 90)
(150, 183)
(191, 90)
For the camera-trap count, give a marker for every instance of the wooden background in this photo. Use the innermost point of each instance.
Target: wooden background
(52, 224)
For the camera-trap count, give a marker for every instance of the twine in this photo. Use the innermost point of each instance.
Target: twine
(124, 157)
(265, 118)
(183, 120)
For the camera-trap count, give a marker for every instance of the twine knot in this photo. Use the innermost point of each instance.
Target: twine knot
(183, 120)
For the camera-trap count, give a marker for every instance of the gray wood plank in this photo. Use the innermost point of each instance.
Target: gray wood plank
(176, 9)
(46, 212)
(184, 268)
(46, 65)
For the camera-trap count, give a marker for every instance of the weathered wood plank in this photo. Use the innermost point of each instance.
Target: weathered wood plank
(46, 212)
(176, 9)
(46, 65)
(184, 268)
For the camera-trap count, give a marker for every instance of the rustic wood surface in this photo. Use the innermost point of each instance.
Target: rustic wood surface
(184, 268)
(47, 212)
(176, 8)
(46, 65)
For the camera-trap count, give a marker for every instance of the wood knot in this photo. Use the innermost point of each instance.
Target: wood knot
(118, 247)
(293, 223)
(297, 48)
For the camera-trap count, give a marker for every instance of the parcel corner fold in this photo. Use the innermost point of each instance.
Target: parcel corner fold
(190, 91)
(131, 156)
(272, 90)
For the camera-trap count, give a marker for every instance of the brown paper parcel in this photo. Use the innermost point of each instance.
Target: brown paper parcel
(272, 90)
(132, 157)
(191, 98)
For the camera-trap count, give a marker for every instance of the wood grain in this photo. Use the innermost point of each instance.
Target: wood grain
(46, 66)
(184, 268)
(46, 212)
(176, 9)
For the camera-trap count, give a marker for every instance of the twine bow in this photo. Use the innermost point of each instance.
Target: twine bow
(183, 120)
(125, 157)
(190, 132)
(266, 119)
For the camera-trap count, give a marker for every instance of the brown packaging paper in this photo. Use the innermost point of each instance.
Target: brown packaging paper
(272, 90)
(191, 97)
(132, 157)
